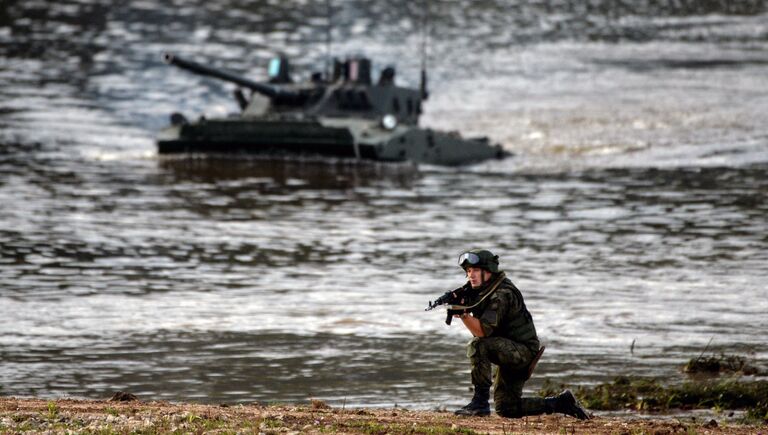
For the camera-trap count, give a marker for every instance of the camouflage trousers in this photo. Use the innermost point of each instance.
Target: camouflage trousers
(512, 360)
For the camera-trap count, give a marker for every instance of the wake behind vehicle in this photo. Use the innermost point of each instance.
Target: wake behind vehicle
(343, 115)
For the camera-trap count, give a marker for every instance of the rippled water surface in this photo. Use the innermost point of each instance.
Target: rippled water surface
(633, 215)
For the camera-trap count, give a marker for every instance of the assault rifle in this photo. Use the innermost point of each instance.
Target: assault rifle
(452, 298)
(455, 298)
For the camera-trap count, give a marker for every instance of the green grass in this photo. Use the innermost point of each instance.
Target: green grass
(53, 411)
(722, 363)
(650, 395)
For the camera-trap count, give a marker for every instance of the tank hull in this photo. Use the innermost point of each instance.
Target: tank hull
(339, 138)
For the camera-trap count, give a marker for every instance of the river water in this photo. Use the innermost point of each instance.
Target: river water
(633, 215)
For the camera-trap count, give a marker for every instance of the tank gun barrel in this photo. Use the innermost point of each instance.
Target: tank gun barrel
(266, 90)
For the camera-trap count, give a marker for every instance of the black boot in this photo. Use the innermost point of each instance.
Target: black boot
(479, 405)
(566, 404)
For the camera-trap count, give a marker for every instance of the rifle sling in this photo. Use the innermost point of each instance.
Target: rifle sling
(489, 292)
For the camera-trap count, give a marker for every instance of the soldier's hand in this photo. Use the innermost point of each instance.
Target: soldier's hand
(461, 315)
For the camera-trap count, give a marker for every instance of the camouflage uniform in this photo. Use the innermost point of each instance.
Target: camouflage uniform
(510, 343)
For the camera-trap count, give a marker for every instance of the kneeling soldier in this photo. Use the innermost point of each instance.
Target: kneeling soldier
(504, 335)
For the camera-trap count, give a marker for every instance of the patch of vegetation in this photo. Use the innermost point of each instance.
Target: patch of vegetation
(25, 426)
(650, 395)
(375, 428)
(319, 404)
(722, 363)
(53, 411)
(369, 427)
(271, 423)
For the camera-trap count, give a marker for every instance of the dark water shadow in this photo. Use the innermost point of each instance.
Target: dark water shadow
(290, 173)
(660, 64)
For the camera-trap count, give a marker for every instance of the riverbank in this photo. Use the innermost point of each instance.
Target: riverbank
(19, 415)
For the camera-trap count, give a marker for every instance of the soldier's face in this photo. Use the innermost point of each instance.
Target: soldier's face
(476, 276)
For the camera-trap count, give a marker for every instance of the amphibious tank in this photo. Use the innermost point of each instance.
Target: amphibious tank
(340, 114)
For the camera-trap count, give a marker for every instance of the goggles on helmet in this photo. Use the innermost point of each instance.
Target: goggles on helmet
(469, 257)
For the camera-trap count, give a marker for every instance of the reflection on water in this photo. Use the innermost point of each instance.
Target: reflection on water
(634, 210)
(290, 173)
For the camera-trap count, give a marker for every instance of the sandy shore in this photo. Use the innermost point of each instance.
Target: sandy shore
(90, 416)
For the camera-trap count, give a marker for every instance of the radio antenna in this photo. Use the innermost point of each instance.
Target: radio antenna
(424, 38)
(328, 38)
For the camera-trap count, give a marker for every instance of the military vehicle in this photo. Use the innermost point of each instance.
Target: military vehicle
(339, 114)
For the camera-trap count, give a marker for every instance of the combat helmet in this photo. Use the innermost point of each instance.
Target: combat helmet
(481, 258)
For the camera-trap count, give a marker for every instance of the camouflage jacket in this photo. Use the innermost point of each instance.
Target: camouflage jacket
(504, 314)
